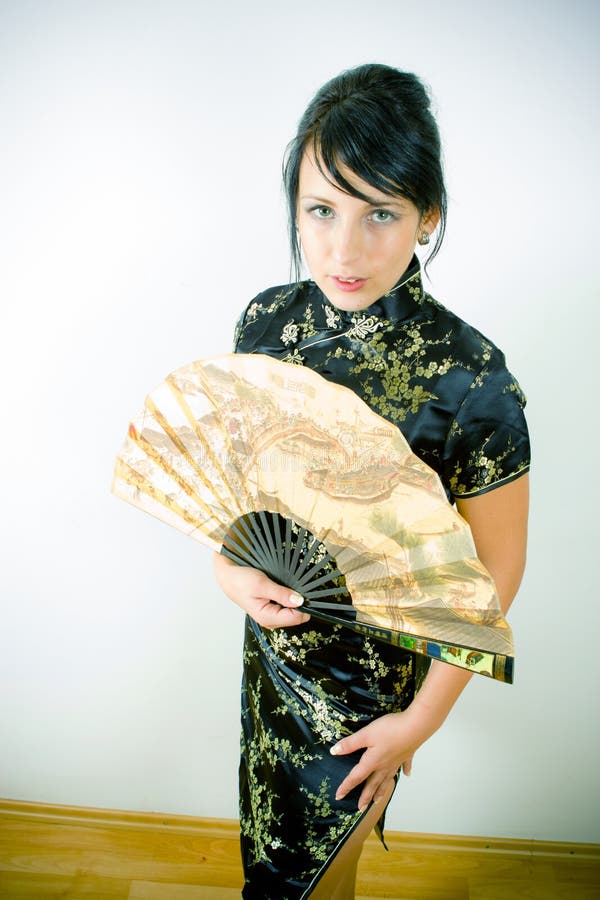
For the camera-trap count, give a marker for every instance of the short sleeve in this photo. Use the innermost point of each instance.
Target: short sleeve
(237, 332)
(256, 318)
(488, 442)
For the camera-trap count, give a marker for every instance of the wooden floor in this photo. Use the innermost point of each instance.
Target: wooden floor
(51, 852)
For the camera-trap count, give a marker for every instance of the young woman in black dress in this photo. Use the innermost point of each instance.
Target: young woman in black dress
(330, 717)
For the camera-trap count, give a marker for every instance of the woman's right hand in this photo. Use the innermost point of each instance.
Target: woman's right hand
(268, 603)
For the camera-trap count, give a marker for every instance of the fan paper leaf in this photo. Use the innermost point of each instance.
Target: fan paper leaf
(224, 441)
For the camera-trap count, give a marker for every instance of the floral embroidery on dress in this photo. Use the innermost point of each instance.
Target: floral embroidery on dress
(416, 290)
(401, 371)
(320, 812)
(482, 470)
(308, 325)
(515, 388)
(363, 326)
(332, 317)
(289, 335)
(293, 708)
(294, 357)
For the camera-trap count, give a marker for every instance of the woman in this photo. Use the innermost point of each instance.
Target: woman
(331, 717)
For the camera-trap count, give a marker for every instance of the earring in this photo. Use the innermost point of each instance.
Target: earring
(424, 238)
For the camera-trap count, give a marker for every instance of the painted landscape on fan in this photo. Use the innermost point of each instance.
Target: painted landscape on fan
(281, 469)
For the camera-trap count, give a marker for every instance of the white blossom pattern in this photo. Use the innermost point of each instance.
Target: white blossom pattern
(289, 335)
(294, 357)
(332, 317)
(364, 326)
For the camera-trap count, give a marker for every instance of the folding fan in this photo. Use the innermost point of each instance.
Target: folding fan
(280, 469)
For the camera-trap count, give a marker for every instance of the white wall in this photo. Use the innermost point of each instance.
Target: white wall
(141, 209)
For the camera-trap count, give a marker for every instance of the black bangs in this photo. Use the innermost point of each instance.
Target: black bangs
(375, 122)
(360, 151)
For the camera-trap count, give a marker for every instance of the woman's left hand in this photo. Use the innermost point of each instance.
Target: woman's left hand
(390, 743)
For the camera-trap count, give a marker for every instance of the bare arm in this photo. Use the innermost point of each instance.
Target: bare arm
(498, 521)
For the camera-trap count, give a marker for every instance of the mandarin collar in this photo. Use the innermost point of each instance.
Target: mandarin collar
(399, 303)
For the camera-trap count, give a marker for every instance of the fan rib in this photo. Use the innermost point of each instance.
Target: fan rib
(266, 525)
(173, 435)
(328, 576)
(302, 532)
(244, 537)
(288, 544)
(132, 477)
(313, 547)
(278, 545)
(338, 607)
(339, 591)
(261, 549)
(234, 382)
(156, 457)
(239, 556)
(180, 398)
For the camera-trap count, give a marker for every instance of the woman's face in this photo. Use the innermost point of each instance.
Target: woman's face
(355, 251)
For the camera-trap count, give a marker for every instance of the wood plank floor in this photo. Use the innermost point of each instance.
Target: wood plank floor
(50, 852)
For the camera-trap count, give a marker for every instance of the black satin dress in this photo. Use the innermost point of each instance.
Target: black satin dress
(447, 388)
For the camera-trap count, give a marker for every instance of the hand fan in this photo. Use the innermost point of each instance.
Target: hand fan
(280, 469)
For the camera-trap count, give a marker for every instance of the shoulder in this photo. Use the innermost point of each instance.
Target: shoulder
(479, 369)
(281, 295)
(487, 443)
(471, 349)
(267, 308)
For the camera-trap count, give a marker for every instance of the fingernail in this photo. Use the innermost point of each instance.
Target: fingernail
(296, 600)
(334, 750)
(363, 807)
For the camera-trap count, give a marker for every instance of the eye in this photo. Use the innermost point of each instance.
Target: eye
(322, 212)
(380, 216)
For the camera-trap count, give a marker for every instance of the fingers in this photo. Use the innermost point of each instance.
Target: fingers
(351, 743)
(376, 785)
(356, 776)
(270, 604)
(362, 769)
(273, 616)
(278, 593)
(280, 609)
(376, 790)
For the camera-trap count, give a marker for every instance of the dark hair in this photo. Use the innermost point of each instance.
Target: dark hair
(376, 121)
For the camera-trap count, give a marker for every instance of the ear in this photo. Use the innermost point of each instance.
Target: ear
(430, 220)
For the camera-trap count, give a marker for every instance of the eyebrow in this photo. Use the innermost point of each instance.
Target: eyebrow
(371, 201)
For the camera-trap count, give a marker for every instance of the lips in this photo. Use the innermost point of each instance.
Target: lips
(348, 283)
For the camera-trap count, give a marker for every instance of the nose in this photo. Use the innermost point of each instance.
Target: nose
(347, 243)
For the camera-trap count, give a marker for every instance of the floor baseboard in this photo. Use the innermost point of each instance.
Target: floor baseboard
(47, 849)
